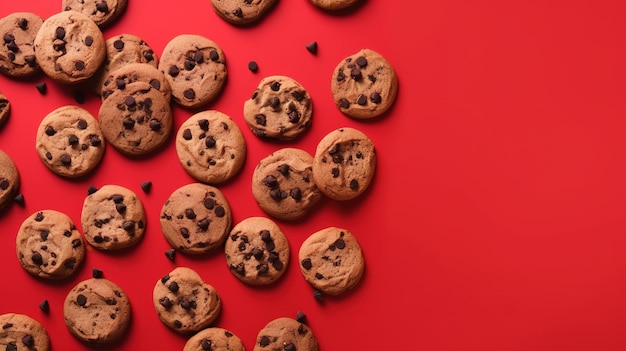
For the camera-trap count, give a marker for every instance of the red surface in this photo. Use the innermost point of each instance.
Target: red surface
(496, 218)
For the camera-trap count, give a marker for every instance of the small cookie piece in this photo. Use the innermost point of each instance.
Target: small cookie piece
(334, 5)
(344, 164)
(195, 67)
(214, 338)
(5, 109)
(364, 85)
(130, 73)
(280, 108)
(9, 179)
(241, 13)
(257, 251)
(184, 302)
(70, 142)
(113, 218)
(210, 147)
(285, 333)
(137, 120)
(22, 332)
(69, 47)
(331, 260)
(97, 311)
(283, 186)
(196, 218)
(49, 246)
(102, 12)
(17, 53)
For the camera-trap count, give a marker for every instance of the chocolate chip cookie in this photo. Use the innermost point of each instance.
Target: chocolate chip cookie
(214, 338)
(131, 73)
(334, 5)
(242, 12)
(285, 333)
(9, 179)
(17, 52)
(102, 12)
(22, 332)
(5, 109)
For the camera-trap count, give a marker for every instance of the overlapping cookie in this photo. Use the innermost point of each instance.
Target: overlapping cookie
(22, 332)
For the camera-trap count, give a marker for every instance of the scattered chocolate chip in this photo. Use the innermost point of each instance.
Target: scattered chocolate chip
(355, 73)
(318, 296)
(170, 254)
(72, 139)
(312, 47)
(19, 199)
(220, 211)
(50, 131)
(79, 97)
(92, 189)
(301, 317)
(120, 208)
(253, 66)
(44, 306)
(97, 273)
(274, 102)
(260, 119)
(146, 186)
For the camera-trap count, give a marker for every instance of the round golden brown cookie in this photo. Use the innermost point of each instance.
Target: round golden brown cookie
(257, 251)
(22, 332)
(196, 218)
(70, 142)
(137, 120)
(184, 302)
(9, 179)
(364, 85)
(49, 245)
(122, 49)
(210, 147)
(214, 338)
(5, 109)
(333, 5)
(279, 109)
(69, 47)
(331, 260)
(97, 311)
(113, 218)
(283, 186)
(131, 73)
(17, 53)
(285, 333)
(102, 12)
(195, 67)
(344, 164)
(242, 12)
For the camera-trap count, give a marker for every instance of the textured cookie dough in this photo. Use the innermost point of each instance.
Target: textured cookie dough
(102, 12)
(257, 251)
(9, 179)
(285, 333)
(49, 246)
(242, 12)
(196, 218)
(280, 108)
(184, 302)
(364, 85)
(69, 141)
(69, 47)
(17, 52)
(210, 147)
(334, 5)
(5, 109)
(21, 332)
(344, 164)
(97, 311)
(283, 186)
(214, 338)
(113, 218)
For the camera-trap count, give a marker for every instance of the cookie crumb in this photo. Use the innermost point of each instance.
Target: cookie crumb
(19, 199)
(301, 317)
(44, 306)
(92, 189)
(312, 47)
(42, 88)
(170, 254)
(96, 273)
(146, 186)
(253, 66)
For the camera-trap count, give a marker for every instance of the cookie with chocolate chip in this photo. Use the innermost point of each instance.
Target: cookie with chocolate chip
(195, 67)
(257, 251)
(131, 73)
(344, 164)
(214, 338)
(97, 311)
(284, 333)
(113, 218)
(22, 332)
(102, 12)
(196, 218)
(280, 108)
(17, 52)
(184, 302)
(364, 85)
(331, 260)
(334, 5)
(70, 142)
(283, 186)
(5, 109)
(49, 246)
(69, 47)
(210, 147)
(240, 12)
(9, 179)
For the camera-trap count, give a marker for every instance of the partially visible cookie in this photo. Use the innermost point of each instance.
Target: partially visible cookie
(9, 179)
(214, 338)
(331, 260)
(102, 12)
(69, 47)
(5, 109)
(257, 251)
(22, 332)
(285, 333)
(195, 67)
(196, 218)
(364, 85)
(240, 12)
(49, 246)
(344, 163)
(17, 53)
(70, 142)
(113, 218)
(280, 108)
(97, 311)
(283, 186)
(129, 74)
(184, 302)
(210, 147)
(333, 5)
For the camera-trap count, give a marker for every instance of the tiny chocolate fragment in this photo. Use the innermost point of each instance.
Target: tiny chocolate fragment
(44, 306)
(146, 186)
(92, 189)
(96, 273)
(253, 66)
(19, 199)
(312, 47)
(170, 254)
(42, 88)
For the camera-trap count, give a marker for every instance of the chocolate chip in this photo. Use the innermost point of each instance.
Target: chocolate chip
(155, 124)
(312, 47)
(102, 7)
(187, 134)
(94, 140)
(19, 199)
(355, 73)
(376, 98)
(31, 60)
(146, 186)
(22, 23)
(204, 124)
(206, 344)
(344, 103)
(238, 12)
(88, 40)
(97, 273)
(296, 194)
(42, 88)
(170, 254)
(190, 214)
(79, 65)
(28, 341)
(81, 300)
(66, 160)
(189, 94)
(289, 347)
(165, 302)
(50, 131)
(149, 55)
(210, 142)
(203, 224)
(306, 263)
(361, 61)
(37, 258)
(128, 123)
(274, 102)
(361, 100)
(260, 119)
(270, 181)
(301, 317)
(213, 55)
(264, 341)
(4, 184)
(44, 235)
(184, 232)
(318, 296)
(92, 189)
(173, 287)
(253, 66)
(72, 139)
(189, 64)
(173, 71)
(60, 33)
(128, 226)
(275, 86)
(220, 211)
(209, 203)
(294, 116)
(354, 184)
(118, 45)
(82, 124)
(335, 172)
(76, 242)
(120, 208)
(283, 169)
(44, 306)
(12, 346)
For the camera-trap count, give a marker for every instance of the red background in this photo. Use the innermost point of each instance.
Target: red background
(496, 217)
